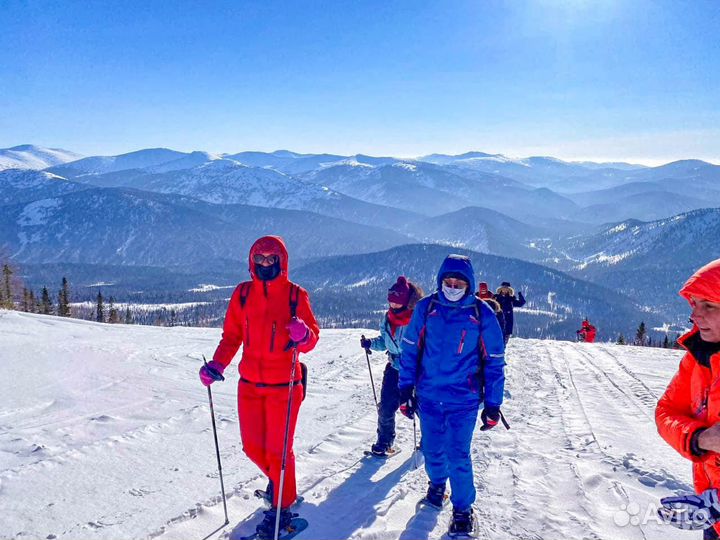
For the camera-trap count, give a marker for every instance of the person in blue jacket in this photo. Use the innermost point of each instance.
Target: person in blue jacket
(402, 297)
(452, 361)
(505, 296)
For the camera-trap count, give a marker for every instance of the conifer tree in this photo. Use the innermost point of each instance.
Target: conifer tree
(666, 342)
(26, 305)
(621, 340)
(46, 304)
(113, 316)
(32, 303)
(64, 299)
(7, 288)
(641, 334)
(128, 315)
(100, 309)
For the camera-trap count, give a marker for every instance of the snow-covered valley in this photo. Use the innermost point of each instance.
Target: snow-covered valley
(105, 433)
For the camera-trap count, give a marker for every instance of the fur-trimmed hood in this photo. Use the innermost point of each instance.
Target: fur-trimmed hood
(505, 290)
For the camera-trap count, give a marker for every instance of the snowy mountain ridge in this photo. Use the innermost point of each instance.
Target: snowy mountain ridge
(29, 156)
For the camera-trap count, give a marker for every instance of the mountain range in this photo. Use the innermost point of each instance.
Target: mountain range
(637, 230)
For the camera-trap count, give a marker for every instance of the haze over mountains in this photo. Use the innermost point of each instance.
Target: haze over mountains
(637, 230)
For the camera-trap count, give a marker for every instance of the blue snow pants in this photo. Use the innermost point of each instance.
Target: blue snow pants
(389, 404)
(447, 430)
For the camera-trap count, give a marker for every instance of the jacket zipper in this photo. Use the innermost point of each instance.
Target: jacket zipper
(247, 330)
(462, 342)
(272, 338)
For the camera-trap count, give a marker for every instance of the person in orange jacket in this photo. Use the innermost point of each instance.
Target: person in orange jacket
(587, 333)
(269, 316)
(688, 413)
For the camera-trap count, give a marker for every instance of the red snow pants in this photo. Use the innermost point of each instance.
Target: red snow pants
(262, 411)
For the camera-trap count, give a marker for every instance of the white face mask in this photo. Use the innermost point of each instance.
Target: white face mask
(453, 295)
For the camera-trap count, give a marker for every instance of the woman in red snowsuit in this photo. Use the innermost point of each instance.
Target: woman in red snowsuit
(688, 413)
(268, 316)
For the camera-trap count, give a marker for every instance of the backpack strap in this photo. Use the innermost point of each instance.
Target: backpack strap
(421, 337)
(294, 296)
(388, 329)
(244, 292)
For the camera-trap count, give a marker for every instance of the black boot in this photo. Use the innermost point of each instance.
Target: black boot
(380, 450)
(266, 529)
(270, 491)
(435, 494)
(463, 523)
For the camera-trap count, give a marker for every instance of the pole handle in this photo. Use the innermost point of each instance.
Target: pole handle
(214, 373)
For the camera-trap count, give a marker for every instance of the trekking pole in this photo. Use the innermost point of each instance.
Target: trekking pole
(291, 386)
(372, 383)
(415, 444)
(216, 375)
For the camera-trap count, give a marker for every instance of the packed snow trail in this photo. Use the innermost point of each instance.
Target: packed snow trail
(105, 433)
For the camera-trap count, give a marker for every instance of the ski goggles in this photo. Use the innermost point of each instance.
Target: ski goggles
(259, 258)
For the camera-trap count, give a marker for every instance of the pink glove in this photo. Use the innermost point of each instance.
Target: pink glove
(205, 376)
(299, 331)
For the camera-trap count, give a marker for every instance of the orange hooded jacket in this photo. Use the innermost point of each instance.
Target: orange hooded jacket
(260, 325)
(691, 401)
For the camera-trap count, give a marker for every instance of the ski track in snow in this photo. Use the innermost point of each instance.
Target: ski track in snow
(105, 433)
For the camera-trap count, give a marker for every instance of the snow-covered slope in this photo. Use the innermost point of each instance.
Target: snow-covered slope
(105, 433)
(29, 156)
(17, 186)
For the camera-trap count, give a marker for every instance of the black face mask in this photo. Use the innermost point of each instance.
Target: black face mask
(266, 273)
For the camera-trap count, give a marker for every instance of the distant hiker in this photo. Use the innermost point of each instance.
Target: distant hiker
(587, 333)
(505, 295)
(688, 413)
(488, 297)
(402, 297)
(269, 316)
(452, 361)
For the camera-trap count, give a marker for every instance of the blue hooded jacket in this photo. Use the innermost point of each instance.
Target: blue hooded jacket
(387, 342)
(454, 339)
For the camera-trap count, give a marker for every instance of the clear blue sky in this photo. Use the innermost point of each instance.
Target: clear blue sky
(603, 79)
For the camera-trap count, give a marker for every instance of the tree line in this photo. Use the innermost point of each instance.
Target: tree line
(15, 295)
(643, 339)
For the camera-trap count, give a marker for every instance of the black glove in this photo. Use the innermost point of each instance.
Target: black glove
(365, 343)
(408, 403)
(490, 417)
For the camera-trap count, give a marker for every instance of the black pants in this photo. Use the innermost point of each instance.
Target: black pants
(389, 404)
(710, 534)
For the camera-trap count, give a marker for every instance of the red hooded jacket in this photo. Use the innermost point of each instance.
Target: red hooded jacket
(692, 399)
(260, 325)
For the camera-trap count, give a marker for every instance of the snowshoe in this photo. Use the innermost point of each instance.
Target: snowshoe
(295, 526)
(425, 503)
(463, 525)
(381, 453)
(266, 529)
